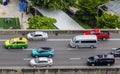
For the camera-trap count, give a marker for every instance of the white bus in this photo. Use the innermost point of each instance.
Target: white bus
(84, 41)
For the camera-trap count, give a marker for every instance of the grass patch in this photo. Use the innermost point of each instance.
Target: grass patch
(7, 23)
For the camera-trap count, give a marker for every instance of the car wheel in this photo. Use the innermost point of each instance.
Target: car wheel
(9, 47)
(115, 55)
(23, 47)
(91, 46)
(76, 46)
(34, 66)
(30, 39)
(104, 39)
(43, 39)
(92, 64)
(108, 64)
(50, 56)
(36, 56)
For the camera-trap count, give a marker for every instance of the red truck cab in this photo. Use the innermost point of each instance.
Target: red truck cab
(100, 34)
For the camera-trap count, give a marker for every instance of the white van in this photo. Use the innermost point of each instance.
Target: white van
(84, 41)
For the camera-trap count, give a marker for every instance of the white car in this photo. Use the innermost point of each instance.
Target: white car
(38, 35)
(41, 61)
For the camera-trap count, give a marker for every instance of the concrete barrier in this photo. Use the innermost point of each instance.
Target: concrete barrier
(14, 31)
(62, 70)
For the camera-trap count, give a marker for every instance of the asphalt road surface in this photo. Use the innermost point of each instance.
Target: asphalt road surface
(64, 55)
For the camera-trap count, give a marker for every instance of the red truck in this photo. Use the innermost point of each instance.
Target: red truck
(100, 34)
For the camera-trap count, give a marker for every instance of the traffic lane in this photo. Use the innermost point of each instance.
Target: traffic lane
(14, 58)
(54, 36)
(64, 53)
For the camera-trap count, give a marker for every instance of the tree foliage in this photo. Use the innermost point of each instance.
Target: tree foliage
(52, 4)
(88, 10)
(38, 22)
(107, 21)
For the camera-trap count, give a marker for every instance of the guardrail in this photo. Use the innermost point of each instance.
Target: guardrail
(62, 70)
(20, 31)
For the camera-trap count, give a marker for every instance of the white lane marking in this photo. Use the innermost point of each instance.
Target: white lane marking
(58, 39)
(113, 39)
(28, 49)
(61, 39)
(3, 39)
(28, 58)
(74, 58)
(117, 58)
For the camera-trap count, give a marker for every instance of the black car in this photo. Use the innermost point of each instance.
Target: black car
(116, 52)
(101, 60)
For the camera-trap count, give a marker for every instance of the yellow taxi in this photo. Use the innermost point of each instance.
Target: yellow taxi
(18, 43)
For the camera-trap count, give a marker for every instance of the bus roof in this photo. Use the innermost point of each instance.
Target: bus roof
(85, 37)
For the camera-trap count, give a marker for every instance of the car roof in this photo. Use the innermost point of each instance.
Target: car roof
(85, 37)
(104, 56)
(43, 59)
(39, 32)
(20, 39)
(45, 48)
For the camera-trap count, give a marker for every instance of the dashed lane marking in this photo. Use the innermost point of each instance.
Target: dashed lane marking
(74, 58)
(28, 58)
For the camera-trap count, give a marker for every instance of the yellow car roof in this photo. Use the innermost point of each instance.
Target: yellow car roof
(20, 39)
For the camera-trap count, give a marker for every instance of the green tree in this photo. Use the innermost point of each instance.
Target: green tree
(38, 22)
(88, 10)
(108, 21)
(51, 4)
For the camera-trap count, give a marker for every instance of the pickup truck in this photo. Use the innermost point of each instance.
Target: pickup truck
(104, 35)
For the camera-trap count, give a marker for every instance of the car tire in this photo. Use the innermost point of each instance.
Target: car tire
(34, 66)
(92, 46)
(30, 39)
(50, 56)
(36, 56)
(9, 47)
(115, 55)
(23, 47)
(104, 39)
(92, 64)
(108, 64)
(76, 46)
(43, 39)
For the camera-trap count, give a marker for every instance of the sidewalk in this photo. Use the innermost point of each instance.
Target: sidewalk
(12, 11)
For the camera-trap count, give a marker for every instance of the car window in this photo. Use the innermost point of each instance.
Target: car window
(36, 60)
(37, 35)
(76, 41)
(42, 61)
(11, 40)
(14, 42)
(39, 50)
(20, 42)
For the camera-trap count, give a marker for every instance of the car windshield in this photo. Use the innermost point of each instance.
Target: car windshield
(73, 39)
(32, 34)
(37, 60)
(11, 40)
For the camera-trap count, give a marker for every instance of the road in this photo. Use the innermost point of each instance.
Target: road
(64, 55)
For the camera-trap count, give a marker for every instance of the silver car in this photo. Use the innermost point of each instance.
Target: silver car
(41, 61)
(38, 35)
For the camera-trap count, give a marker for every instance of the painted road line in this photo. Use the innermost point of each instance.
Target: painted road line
(3, 39)
(113, 39)
(28, 58)
(64, 39)
(58, 39)
(74, 58)
(117, 58)
(28, 49)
